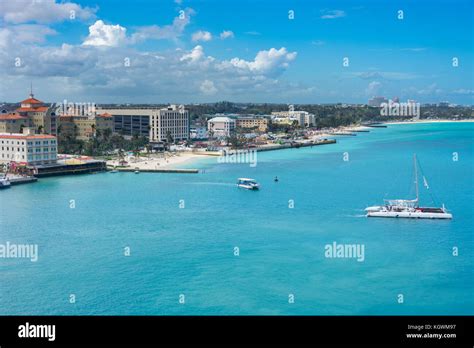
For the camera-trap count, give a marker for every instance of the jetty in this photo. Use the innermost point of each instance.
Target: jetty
(296, 145)
(152, 170)
(18, 179)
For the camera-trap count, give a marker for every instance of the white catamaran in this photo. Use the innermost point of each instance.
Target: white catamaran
(408, 208)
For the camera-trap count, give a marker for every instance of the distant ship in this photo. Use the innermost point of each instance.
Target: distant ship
(404, 208)
(249, 184)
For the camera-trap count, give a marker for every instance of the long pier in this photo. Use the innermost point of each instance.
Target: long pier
(296, 145)
(178, 171)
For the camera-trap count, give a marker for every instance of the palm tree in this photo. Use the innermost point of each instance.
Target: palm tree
(169, 138)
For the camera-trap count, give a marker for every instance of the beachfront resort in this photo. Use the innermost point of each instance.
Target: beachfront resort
(43, 139)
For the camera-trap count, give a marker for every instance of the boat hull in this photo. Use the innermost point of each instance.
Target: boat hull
(248, 187)
(409, 215)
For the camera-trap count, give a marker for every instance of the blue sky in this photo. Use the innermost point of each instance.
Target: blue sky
(263, 56)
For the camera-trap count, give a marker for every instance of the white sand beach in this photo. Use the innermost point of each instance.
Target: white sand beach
(160, 161)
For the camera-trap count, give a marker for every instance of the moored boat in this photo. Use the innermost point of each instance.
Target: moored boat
(4, 183)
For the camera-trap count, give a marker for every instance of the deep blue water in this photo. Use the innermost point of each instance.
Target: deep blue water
(190, 251)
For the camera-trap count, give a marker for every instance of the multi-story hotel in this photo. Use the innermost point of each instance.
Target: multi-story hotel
(28, 148)
(155, 124)
(84, 127)
(12, 123)
(252, 122)
(171, 121)
(221, 126)
(40, 116)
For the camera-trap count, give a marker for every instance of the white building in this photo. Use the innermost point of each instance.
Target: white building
(173, 121)
(221, 126)
(304, 118)
(28, 148)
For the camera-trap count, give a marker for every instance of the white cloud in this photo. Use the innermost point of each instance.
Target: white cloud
(196, 54)
(373, 88)
(332, 14)
(201, 36)
(170, 32)
(44, 11)
(101, 34)
(25, 33)
(208, 88)
(269, 61)
(388, 75)
(226, 34)
(464, 91)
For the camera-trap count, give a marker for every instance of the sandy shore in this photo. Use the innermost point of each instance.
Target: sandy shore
(165, 161)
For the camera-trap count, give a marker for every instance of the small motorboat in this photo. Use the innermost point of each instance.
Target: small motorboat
(4, 183)
(248, 184)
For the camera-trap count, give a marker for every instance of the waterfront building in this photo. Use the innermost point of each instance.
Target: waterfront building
(221, 126)
(40, 115)
(129, 121)
(28, 148)
(152, 123)
(12, 123)
(304, 118)
(172, 121)
(84, 127)
(252, 122)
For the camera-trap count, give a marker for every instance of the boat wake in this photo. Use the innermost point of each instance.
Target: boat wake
(210, 183)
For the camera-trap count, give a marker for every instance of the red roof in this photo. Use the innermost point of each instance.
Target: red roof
(11, 117)
(105, 114)
(32, 101)
(33, 109)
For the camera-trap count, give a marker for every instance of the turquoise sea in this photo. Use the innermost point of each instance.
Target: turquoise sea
(190, 250)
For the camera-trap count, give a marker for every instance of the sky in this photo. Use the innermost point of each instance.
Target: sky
(274, 51)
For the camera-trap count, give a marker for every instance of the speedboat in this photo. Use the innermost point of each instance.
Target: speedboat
(249, 184)
(4, 183)
(409, 208)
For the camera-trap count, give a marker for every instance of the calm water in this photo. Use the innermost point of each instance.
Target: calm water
(190, 251)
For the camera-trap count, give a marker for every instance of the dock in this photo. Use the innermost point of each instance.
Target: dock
(296, 145)
(344, 133)
(376, 125)
(63, 168)
(22, 180)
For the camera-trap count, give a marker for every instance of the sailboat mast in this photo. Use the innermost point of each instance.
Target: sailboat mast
(416, 178)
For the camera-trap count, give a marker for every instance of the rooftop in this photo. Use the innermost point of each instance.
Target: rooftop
(25, 136)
